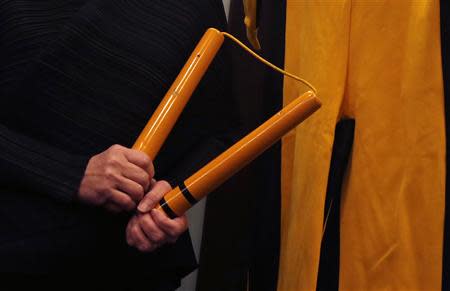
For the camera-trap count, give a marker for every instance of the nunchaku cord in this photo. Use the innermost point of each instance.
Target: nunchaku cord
(267, 63)
(308, 84)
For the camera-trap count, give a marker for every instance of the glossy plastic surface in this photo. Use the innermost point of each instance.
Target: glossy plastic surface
(165, 116)
(241, 153)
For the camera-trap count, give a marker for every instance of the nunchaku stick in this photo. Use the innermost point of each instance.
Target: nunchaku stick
(152, 137)
(197, 186)
(166, 114)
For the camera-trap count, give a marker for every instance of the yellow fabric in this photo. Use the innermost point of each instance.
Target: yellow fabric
(250, 20)
(378, 62)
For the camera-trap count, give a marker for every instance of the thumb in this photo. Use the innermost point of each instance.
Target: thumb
(152, 198)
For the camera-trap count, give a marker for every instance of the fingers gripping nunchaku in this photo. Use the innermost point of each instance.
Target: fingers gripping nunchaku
(182, 197)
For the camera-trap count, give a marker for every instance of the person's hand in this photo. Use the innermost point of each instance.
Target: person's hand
(151, 228)
(116, 179)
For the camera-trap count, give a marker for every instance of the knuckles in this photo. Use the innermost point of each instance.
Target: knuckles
(145, 247)
(147, 224)
(145, 159)
(115, 148)
(113, 162)
(156, 239)
(147, 163)
(111, 174)
(139, 192)
(134, 230)
(144, 178)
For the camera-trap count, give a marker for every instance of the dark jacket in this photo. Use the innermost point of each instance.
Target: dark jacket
(75, 78)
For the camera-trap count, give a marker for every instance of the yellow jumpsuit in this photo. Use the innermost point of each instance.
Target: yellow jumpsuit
(378, 62)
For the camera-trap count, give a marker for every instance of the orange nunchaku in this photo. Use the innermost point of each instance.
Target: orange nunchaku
(177, 201)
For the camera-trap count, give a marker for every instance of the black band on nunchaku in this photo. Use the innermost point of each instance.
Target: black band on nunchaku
(187, 195)
(167, 209)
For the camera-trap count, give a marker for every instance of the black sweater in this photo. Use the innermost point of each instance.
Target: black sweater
(75, 78)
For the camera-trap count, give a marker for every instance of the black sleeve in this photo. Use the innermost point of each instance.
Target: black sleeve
(29, 164)
(99, 79)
